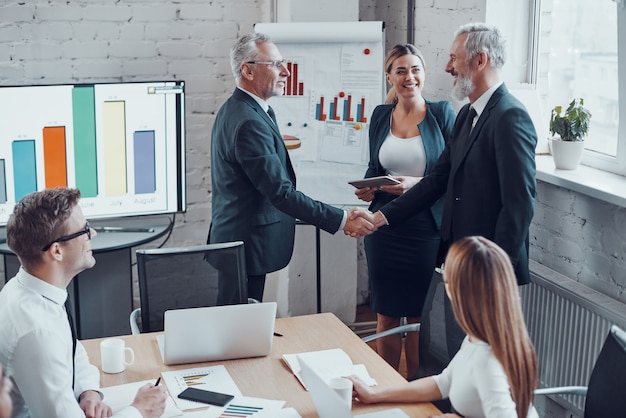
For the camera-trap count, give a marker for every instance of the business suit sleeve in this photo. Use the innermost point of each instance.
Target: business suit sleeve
(423, 194)
(256, 149)
(515, 159)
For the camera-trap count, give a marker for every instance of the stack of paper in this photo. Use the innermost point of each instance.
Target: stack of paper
(216, 379)
(328, 364)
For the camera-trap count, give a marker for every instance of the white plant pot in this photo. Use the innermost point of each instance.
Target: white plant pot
(566, 154)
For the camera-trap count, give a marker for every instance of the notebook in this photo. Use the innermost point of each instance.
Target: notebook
(328, 404)
(217, 333)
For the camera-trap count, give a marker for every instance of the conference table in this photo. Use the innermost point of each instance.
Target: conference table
(269, 377)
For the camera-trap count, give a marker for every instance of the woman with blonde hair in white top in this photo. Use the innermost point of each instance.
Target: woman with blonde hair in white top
(494, 373)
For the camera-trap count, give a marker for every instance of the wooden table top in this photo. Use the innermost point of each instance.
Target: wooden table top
(268, 377)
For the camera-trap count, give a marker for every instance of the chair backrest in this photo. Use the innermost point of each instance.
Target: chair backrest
(605, 393)
(189, 277)
(433, 344)
(434, 354)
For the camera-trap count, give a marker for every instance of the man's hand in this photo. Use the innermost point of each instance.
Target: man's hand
(150, 400)
(92, 405)
(358, 223)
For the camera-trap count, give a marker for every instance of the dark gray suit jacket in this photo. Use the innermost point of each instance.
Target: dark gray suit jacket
(489, 181)
(254, 196)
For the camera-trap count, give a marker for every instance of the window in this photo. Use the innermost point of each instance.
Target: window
(578, 53)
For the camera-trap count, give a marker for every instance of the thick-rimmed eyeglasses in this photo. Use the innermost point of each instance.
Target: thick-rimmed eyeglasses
(278, 64)
(86, 230)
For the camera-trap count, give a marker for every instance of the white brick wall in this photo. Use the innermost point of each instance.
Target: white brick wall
(582, 238)
(46, 42)
(43, 42)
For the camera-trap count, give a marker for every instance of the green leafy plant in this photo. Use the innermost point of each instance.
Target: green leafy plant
(573, 124)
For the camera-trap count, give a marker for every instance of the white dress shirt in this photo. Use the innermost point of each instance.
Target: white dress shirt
(36, 349)
(476, 384)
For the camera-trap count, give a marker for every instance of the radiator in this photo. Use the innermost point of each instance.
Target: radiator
(568, 323)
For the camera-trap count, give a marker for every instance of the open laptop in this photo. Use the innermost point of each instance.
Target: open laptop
(217, 333)
(329, 404)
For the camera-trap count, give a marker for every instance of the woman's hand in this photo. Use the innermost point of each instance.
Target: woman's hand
(361, 391)
(365, 194)
(406, 182)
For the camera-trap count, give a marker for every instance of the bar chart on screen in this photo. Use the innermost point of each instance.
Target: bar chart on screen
(121, 144)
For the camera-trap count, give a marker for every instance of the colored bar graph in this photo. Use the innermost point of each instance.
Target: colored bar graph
(114, 135)
(54, 152)
(319, 110)
(361, 112)
(295, 86)
(24, 167)
(85, 162)
(288, 86)
(145, 163)
(341, 108)
(294, 79)
(334, 109)
(3, 181)
(347, 105)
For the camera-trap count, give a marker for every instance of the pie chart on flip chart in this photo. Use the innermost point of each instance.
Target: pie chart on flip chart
(292, 142)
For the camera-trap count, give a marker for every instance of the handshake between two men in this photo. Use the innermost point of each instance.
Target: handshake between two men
(362, 222)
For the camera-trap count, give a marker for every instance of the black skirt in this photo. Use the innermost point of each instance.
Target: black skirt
(401, 260)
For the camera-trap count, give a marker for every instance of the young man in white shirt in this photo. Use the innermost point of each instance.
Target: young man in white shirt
(51, 374)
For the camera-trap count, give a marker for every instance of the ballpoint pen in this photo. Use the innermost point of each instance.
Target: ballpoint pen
(158, 381)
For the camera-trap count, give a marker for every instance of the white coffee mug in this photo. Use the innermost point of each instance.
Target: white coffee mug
(343, 388)
(114, 355)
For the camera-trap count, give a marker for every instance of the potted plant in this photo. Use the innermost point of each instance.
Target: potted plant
(568, 130)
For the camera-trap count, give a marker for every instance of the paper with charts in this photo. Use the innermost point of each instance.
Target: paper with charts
(120, 396)
(216, 379)
(328, 364)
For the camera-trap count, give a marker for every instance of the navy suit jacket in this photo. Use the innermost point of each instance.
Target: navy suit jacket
(488, 178)
(254, 196)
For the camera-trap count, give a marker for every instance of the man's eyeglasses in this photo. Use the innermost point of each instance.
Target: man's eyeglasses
(278, 64)
(86, 230)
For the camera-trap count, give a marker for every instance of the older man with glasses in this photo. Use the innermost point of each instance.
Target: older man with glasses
(253, 184)
(50, 372)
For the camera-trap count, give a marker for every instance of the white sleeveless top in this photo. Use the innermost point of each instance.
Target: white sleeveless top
(403, 156)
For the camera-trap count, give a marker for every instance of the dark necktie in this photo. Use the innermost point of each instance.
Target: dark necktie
(70, 319)
(469, 121)
(463, 143)
(270, 112)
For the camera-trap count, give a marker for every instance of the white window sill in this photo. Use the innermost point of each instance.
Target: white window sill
(596, 183)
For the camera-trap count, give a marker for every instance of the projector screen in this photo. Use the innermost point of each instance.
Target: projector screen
(121, 144)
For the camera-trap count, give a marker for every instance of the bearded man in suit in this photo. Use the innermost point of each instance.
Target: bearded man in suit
(254, 196)
(487, 171)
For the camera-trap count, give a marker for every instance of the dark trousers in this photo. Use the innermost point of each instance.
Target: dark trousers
(256, 286)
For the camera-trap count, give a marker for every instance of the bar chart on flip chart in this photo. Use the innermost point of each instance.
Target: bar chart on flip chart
(335, 81)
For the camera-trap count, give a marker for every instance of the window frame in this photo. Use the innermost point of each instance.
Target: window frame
(590, 158)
